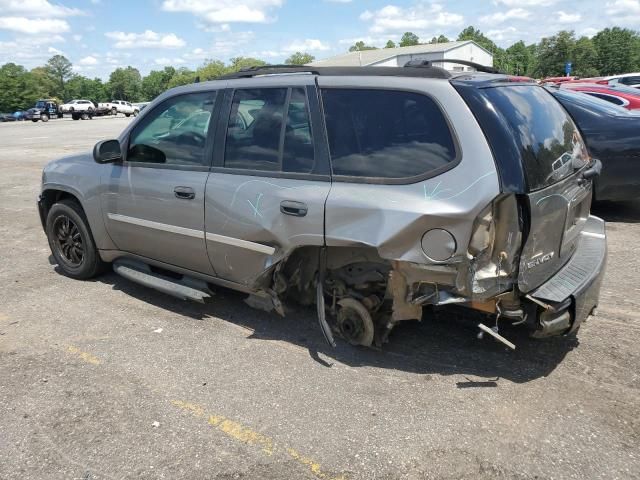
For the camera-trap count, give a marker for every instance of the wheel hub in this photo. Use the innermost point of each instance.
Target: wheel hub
(68, 241)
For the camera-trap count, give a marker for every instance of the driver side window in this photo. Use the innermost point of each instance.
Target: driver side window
(175, 133)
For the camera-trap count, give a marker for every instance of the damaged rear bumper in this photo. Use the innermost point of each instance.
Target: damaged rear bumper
(573, 292)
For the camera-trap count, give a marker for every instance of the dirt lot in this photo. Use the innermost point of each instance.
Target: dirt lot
(109, 380)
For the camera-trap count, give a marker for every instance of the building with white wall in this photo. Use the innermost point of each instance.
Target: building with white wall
(397, 57)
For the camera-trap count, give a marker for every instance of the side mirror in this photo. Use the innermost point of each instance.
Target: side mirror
(107, 151)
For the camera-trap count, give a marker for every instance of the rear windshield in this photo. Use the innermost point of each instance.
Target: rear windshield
(548, 141)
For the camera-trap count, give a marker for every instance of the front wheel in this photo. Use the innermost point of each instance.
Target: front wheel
(71, 241)
(114, 111)
(34, 120)
(127, 115)
(44, 118)
(84, 116)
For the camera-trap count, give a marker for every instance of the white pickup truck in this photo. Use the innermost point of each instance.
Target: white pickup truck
(120, 106)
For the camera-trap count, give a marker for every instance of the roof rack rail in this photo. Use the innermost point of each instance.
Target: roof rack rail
(433, 72)
(429, 64)
(249, 72)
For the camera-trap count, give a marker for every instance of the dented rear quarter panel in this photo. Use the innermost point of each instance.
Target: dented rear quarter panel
(393, 218)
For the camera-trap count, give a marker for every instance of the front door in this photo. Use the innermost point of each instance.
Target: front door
(153, 203)
(266, 194)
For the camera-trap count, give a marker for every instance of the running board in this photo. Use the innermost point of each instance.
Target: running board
(141, 273)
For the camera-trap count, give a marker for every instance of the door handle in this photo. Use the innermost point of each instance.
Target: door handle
(184, 193)
(296, 209)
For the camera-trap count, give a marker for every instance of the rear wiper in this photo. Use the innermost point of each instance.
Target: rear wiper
(593, 171)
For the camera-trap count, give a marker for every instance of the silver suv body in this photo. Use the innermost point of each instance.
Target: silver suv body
(371, 192)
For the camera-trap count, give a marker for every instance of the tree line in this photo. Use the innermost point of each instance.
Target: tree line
(611, 51)
(20, 88)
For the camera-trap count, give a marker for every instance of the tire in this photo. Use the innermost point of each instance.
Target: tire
(71, 242)
(44, 118)
(127, 115)
(114, 111)
(34, 120)
(75, 117)
(60, 114)
(135, 113)
(84, 116)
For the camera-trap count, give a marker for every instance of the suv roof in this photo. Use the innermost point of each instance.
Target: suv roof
(416, 68)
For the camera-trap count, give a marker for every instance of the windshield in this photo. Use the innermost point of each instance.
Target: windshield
(40, 104)
(592, 103)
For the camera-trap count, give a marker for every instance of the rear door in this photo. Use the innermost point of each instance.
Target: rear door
(153, 203)
(267, 191)
(547, 146)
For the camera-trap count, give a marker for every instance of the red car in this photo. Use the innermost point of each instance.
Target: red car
(621, 95)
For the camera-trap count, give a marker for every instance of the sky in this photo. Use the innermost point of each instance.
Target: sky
(98, 36)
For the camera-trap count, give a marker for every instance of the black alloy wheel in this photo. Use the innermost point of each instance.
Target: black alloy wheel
(68, 241)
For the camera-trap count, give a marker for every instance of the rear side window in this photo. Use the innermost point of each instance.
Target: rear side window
(549, 143)
(269, 130)
(386, 133)
(607, 98)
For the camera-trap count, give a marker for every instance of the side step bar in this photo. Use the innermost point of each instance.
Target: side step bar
(183, 289)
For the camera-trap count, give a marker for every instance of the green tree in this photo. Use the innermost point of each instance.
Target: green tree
(211, 70)
(360, 46)
(86, 88)
(125, 84)
(156, 82)
(390, 44)
(60, 70)
(12, 82)
(300, 58)
(585, 58)
(238, 63)
(408, 39)
(553, 52)
(471, 33)
(439, 39)
(618, 50)
(520, 59)
(183, 76)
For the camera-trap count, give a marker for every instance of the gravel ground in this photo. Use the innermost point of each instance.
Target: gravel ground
(107, 380)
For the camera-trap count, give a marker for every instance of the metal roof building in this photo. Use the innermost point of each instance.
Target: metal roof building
(396, 57)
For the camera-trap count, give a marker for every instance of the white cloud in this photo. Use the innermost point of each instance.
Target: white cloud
(33, 26)
(90, 60)
(36, 8)
(225, 11)
(525, 3)
(505, 34)
(76, 37)
(624, 12)
(564, 17)
(164, 61)
(308, 45)
(420, 17)
(501, 17)
(147, 39)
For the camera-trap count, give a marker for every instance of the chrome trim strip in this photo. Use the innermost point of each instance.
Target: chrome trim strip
(593, 234)
(236, 242)
(156, 226)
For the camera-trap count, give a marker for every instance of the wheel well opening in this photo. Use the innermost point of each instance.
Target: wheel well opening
(50, 197)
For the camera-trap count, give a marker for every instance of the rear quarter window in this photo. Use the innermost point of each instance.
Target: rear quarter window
(386, 134)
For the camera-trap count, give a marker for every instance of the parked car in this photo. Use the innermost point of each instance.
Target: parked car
(620, 95)
(77, 106)
(373, 192)
(7, 117)
(628, 79)
(140, 105)
(43, 110)
(120, 106)
(612, 134)
(557, 80)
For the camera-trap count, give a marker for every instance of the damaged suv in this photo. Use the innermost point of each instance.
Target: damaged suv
(371, 192)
